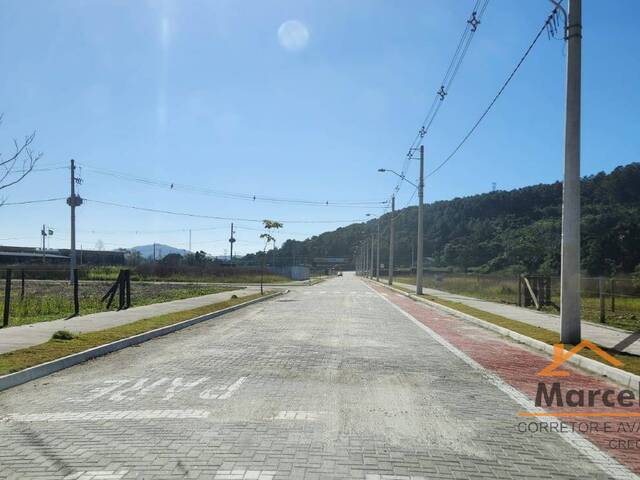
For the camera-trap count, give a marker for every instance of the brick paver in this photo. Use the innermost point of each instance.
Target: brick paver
(335, 383)
(23, 336)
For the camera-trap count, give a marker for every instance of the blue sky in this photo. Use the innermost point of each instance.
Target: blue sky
(203, 93)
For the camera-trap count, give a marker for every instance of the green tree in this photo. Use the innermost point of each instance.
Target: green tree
(269, 226)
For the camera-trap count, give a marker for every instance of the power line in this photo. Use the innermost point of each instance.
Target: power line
(213, 217)
(235, 195)
(454, 66)
(548, 21)
(27, 202)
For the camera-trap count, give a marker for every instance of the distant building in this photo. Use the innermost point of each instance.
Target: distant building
(17, 255)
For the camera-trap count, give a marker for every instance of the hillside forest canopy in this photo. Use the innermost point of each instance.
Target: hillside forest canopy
(516, 231)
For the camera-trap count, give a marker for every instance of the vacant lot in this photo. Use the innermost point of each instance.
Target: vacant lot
(45, 300)
(622, 312)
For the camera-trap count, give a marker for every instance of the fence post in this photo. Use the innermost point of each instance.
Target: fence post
(519, 290)
(76, 299)
(122, 287)
(613, 295)
(128, 285)
(7, 298)
(601, 294)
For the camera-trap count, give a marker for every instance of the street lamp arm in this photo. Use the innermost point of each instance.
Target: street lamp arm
(402, 177)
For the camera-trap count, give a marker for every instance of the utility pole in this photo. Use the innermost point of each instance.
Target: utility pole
(378, 252)
(154, 252)
(189, 240)
(570, 255)
(392, 234)
(365, 254)
(73, 201)
(231, 242)
(43, 232)
(419, 253)
(372, 260)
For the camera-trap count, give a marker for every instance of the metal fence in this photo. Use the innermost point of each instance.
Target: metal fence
(34, 294)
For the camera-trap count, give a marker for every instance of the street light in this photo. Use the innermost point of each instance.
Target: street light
(420, 187)
(402, 177)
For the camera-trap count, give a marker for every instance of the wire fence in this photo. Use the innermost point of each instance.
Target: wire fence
(613, 301)
(31, 294)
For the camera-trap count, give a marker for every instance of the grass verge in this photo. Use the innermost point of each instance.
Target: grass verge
(51, 300)
(631, 363)
(54, 349)
(505, 290)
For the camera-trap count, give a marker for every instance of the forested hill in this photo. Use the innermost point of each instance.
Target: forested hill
(517, 230)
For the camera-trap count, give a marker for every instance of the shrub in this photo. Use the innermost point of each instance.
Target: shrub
(63, 335)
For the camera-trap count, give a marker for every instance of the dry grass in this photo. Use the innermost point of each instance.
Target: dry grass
(53, 299)
(505, 290)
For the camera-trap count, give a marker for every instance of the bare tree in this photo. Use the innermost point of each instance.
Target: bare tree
(20, 162)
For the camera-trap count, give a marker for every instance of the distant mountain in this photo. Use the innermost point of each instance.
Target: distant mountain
(162, 250)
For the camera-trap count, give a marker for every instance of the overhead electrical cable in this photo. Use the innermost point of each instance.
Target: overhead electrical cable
(471, 26)
(214, 217)
(550, 20)
(235, 195)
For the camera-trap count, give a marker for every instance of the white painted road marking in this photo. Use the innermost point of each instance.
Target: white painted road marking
(105, 415)
(376, 476)
(599, 458)
(242, 474)
(164, 387)
(297, 415)
(97, 475)
(232, 388)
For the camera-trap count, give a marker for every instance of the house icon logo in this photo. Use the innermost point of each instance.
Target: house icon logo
(560, 355)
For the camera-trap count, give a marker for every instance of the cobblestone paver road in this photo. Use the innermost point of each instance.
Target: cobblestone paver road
(329, 381)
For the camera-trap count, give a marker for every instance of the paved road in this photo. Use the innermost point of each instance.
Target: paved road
(330, 381)
(22, 336)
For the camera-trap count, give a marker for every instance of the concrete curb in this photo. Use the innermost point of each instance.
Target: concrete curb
(626, 379)
(44, 369)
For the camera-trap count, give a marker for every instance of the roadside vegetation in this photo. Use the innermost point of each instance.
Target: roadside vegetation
(150, 273)
(46, 300)
(65, 343)
(623, 312)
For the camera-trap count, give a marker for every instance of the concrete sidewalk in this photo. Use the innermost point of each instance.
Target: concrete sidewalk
(601, 334)
(15, 338)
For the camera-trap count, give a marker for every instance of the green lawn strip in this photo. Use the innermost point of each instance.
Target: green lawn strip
(631, 362)
(53, 349)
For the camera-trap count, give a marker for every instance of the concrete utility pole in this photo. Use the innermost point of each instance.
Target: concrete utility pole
(570, 255)
(378, 252)
(420, 254)
(231, 242)
(372, 260)
(43, 232)
(366, 258)
(154, 252)
(73, 201)
(392, 234)
(189, 240)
